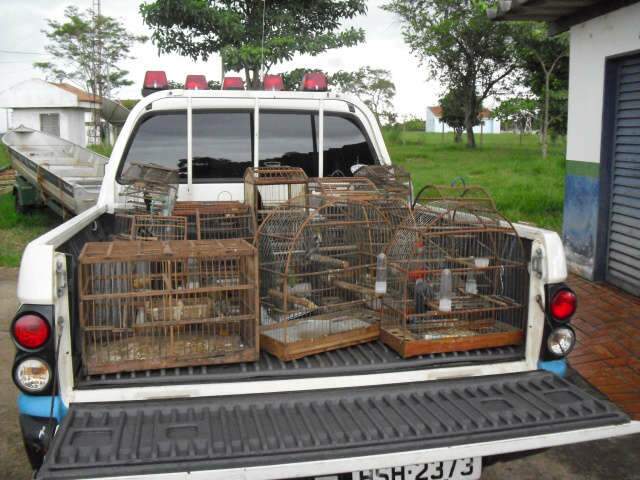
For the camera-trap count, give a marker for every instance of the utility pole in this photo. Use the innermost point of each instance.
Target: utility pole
(96, 74)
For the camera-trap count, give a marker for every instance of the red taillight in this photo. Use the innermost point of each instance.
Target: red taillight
(563, 304)
(196, 82)
(273, 82)
(314, 82)
(232, 83)
(155, 80)
(31, 331)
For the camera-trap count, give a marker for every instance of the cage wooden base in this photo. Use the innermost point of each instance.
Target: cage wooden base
(229, 350)
(451, 339)
(272, 340)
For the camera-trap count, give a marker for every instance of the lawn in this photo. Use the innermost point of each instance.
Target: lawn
(16, 230)
(524, 186)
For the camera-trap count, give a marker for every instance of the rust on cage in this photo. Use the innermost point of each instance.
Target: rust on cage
(217, 220)
(393, 181)
(149, 188)
(462, 194)
(163, 304)
(318, 274)
(266, 188)
(458, 280)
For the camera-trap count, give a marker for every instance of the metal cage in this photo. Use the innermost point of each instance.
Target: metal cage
(463, 194)
(317, 275)
(217, 220)
(149, 188)
(392, 180)
(458, 280)
(266, 188)
(153, 304)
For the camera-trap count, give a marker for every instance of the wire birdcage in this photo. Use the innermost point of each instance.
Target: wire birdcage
(217, 220)
(153, 304)
(318, 275)
(149, 188)
(458, 280)
(463, 194)
(345, 187)
(392, 180)
(266, 188)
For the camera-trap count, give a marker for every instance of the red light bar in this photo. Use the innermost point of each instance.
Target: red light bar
(314, 82)
(154, 80)
(273, 82)
(232, 83)
(196, 82)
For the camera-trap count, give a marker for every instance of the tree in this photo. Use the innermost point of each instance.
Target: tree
(546, 72)
(453, 112)
(234, 29)
(372, 85)
(87, 49)
(461, 47)
(293, 78)
(520, 111)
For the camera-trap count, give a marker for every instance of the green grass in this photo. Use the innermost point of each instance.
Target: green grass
(102, 149)
(524, 186)
(16, 229)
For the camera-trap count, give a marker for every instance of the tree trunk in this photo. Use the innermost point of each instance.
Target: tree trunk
(545, 122)
(457, 134)
(470, 112)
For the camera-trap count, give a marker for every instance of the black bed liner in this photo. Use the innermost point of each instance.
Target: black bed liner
(372, 357)
(163, 436)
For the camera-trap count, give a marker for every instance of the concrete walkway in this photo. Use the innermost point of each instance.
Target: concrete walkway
(608, 351)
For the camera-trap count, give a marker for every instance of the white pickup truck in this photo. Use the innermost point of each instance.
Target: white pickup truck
(360, 412)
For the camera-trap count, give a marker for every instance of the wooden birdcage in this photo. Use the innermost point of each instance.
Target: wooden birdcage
(266, 188)
(153, 304)
(346, 187)
(462, 194)
(317, 275)
(217, 220)
(149, 188)
(131, 226)
(458, 280)
(393, 181)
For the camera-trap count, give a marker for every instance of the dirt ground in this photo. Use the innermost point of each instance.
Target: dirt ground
(608, 459)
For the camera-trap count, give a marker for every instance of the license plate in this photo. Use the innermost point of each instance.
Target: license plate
(461, 469)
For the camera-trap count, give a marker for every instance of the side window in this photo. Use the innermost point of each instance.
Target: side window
(221, 145)
(288, 139)
(345, 145)
(161, 139)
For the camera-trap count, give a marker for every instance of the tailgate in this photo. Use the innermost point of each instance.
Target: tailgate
(219, 434)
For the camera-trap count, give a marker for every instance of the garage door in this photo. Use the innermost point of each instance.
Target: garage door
(623, 265)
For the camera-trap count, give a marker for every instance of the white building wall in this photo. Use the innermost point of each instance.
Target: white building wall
(71, 122)
(591, 43)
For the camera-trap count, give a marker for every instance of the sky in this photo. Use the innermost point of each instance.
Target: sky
(20, 31)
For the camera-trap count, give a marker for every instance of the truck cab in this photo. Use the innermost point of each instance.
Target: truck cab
(361, 412)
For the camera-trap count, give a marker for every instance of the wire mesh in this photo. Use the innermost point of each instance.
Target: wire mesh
(317, 274)
(458, 280)
(266, 188)
(392, 180)
(154, 304)
(346, 187)
(464, 195)
(217, 220)
(149, 188)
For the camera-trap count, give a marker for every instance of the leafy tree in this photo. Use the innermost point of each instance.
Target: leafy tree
(75, 43)
(373, 86)
(461, 47)
(545, 62)
(520, 111)
(453, 112)
(293, 78)
(234, 29)
(211, 84)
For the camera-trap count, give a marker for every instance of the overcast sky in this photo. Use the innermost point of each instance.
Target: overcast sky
(21, 23)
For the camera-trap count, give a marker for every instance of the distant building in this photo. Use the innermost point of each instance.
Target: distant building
(56, 108)
(433, 123)
(601, 230)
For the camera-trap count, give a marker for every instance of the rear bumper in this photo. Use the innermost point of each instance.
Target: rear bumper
(302, 434)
